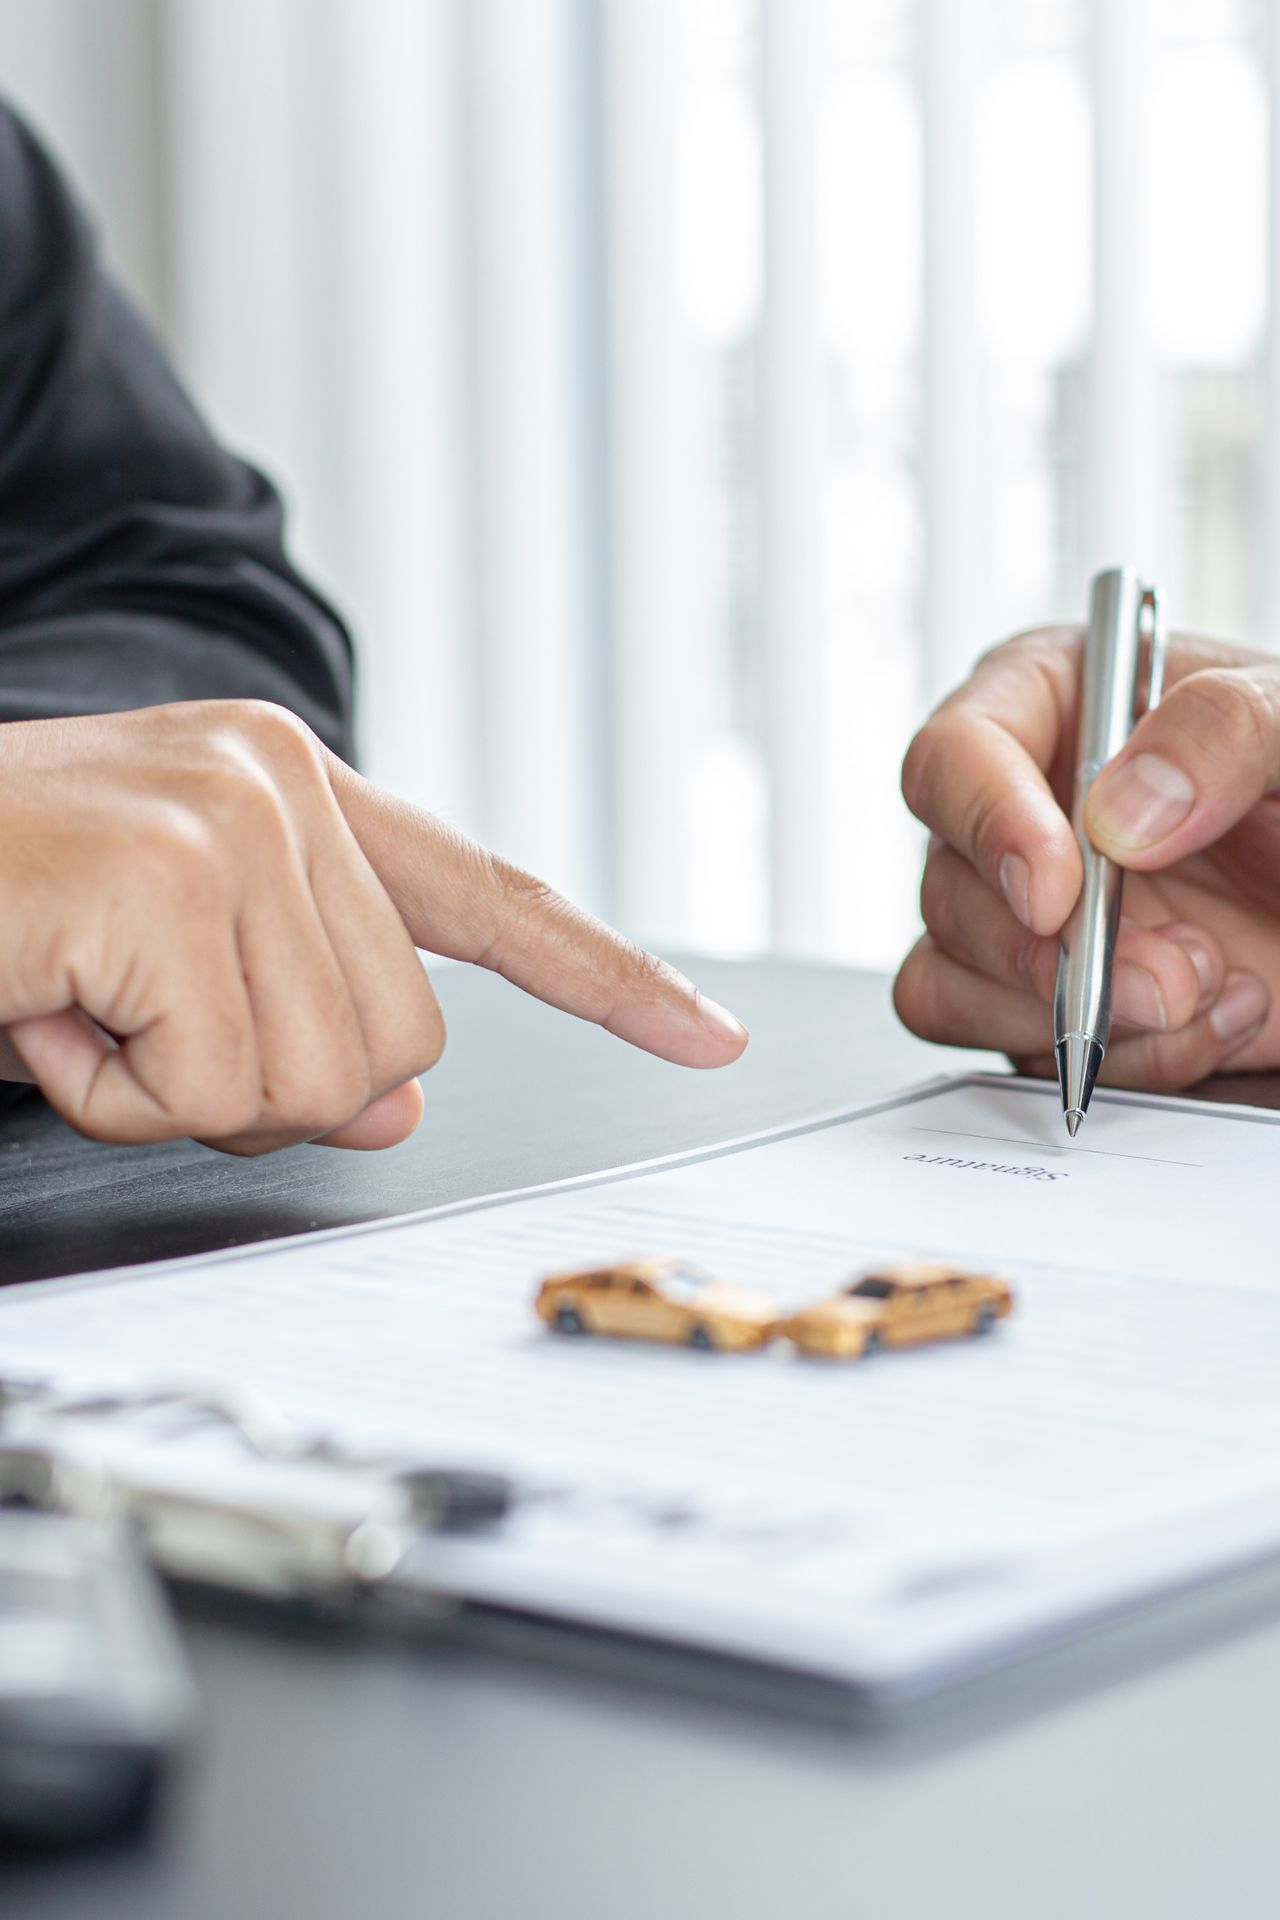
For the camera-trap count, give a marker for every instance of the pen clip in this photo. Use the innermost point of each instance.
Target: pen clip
(1152, 604)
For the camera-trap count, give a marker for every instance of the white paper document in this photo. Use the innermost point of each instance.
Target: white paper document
(887, 1523)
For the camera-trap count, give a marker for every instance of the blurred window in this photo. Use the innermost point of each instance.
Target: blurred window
(679, 394)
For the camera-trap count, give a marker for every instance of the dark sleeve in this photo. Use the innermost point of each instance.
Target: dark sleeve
(139, 562)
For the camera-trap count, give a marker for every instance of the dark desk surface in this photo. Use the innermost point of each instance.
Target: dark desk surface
(522, 1095)
(366, 1780)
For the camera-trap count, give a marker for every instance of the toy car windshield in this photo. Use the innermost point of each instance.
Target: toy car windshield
(683, 1283)
(872, 1288)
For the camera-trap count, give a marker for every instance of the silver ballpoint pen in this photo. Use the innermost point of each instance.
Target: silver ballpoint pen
(1122, 675)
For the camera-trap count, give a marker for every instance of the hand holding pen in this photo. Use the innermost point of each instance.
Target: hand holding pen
(1189, 806)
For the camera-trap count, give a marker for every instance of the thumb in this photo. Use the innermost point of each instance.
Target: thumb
(1191, 769)
(459, 900)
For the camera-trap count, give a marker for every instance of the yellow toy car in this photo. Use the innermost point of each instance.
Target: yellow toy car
(900, 1306)
(657, 1300)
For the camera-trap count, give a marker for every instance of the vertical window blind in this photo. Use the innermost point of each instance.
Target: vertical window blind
(679, 394)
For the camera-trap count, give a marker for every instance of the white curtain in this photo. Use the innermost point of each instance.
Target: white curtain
(677, 394)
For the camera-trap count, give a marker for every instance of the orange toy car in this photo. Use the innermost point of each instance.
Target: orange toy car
(657, 1300)
(900, 1306)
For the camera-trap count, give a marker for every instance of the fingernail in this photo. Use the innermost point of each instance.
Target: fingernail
(1015, 884)
(1141, 801)
(1242, 1004)
(1137, 996)
(720, 1020)
(1201, 961)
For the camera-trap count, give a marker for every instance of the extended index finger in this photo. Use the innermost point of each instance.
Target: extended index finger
(979, 773)
(459, 900)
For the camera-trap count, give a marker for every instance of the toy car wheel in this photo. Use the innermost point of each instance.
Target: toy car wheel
(569, 1320)
(871, 1345)
(700, 1337)
(984, 1319)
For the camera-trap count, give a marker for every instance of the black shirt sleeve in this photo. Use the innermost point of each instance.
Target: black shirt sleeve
(139, 561)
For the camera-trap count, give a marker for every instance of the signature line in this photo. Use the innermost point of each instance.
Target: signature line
(1106, 1153)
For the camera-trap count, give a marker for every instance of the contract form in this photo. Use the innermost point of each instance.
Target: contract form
(886, 1525)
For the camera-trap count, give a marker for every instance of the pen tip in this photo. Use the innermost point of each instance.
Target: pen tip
(1074, 1117)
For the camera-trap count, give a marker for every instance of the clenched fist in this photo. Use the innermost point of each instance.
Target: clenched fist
(209, 927)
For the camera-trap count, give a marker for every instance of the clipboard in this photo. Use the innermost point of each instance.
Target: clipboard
(266, 1548)
(888, 1530)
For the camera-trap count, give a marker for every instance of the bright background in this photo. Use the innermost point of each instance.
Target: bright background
(678, 394)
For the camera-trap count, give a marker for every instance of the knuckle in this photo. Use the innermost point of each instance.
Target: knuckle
(316, 1106)
(904, 994)
(641, 973)
(268, 720)
(934, 892)
(523, 893)
(340, 1101)
(278, 736)
(403, 1030)
(429, 1041)
(1156, 1065)
(1230, 710)
(182, 858)
(1036, 643)
(946, 903)
(915, 999)
(242, 796)
(1034, 960)
(210, 1086)
(919, 769)
(1164, 1074)
(409, 1047)
(227, 1112)
(230, 1100)
(530, 911)
(980, 829)
(1012, 647)
(347, 1101)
